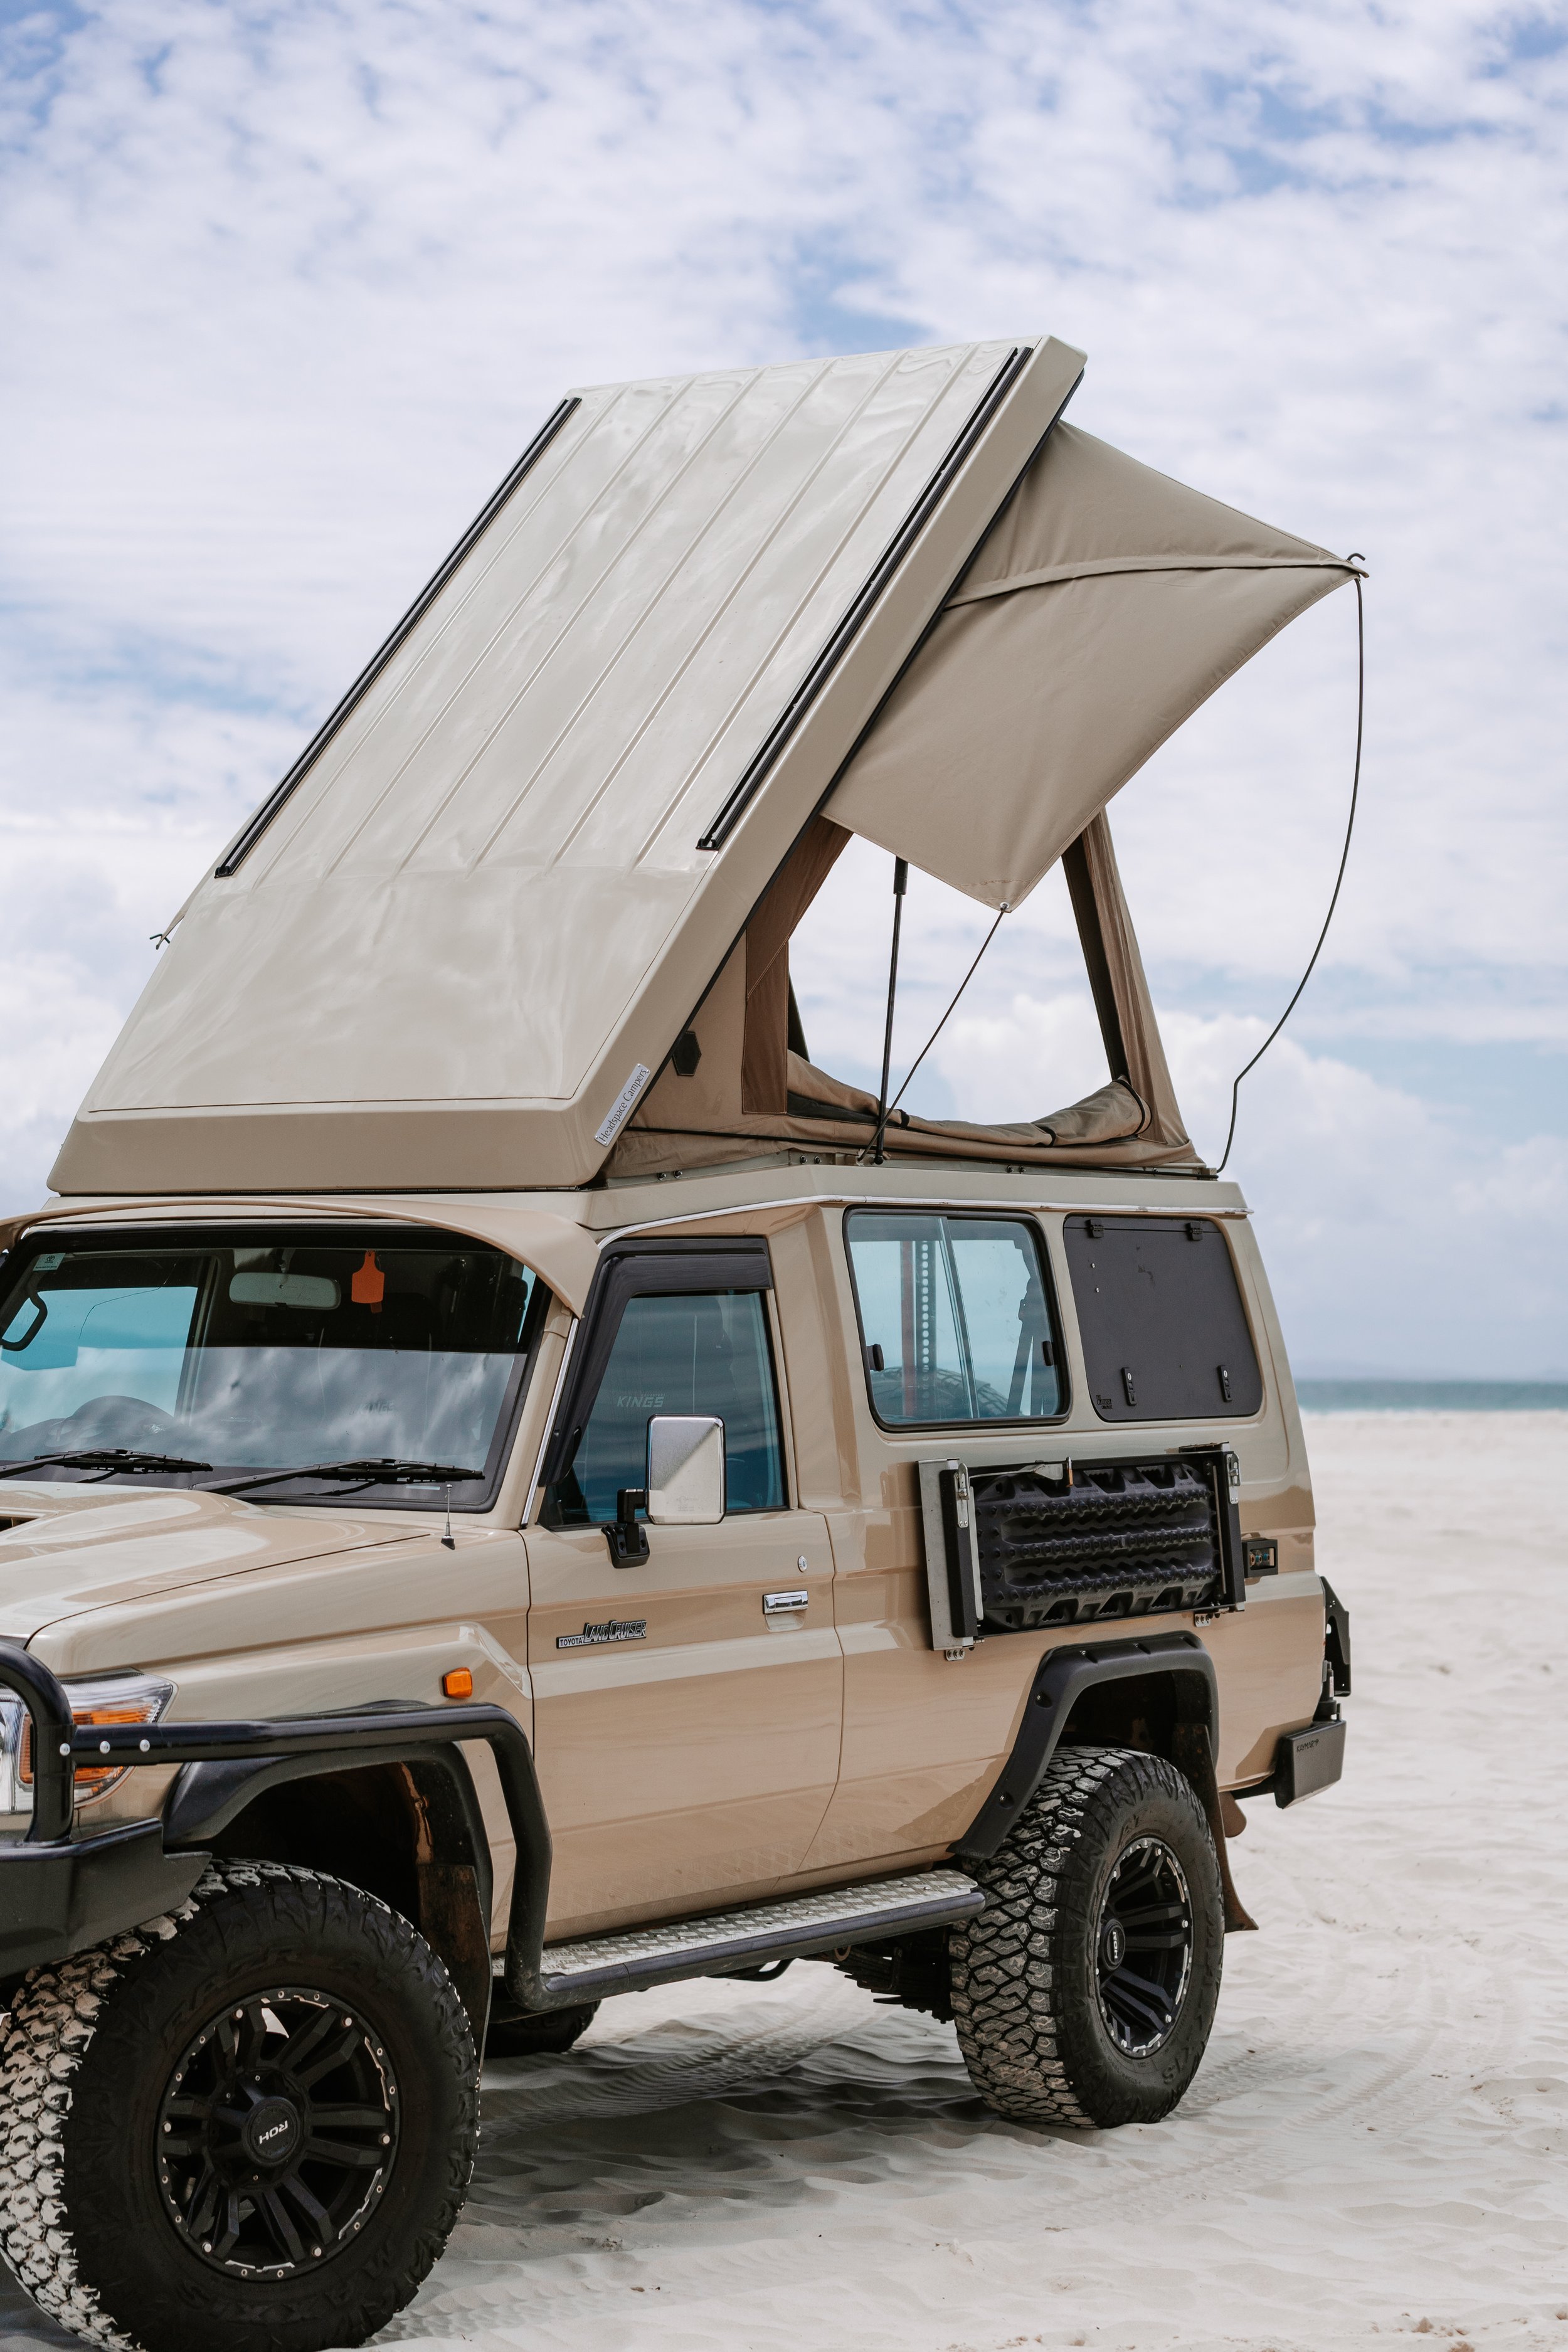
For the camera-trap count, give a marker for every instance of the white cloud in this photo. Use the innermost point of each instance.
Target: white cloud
(1394, 1235)
(290, 284)
(1397, 1234)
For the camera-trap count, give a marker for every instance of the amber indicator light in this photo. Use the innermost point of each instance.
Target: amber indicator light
(458, 1684)
(92, 1779)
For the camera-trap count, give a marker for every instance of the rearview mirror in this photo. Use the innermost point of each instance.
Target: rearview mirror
(684, 1470)
(317, 1290)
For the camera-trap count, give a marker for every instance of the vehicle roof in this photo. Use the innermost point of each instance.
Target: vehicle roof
(561, 1235)
(558, 1247)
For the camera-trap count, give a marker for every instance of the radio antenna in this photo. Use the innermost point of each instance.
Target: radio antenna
(901, 884)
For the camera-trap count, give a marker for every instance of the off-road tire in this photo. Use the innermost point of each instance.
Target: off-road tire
(514, 2033)
(1026, 1985)
(87, 2057)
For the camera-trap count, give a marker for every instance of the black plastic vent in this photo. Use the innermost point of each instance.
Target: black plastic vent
(1096, 1541)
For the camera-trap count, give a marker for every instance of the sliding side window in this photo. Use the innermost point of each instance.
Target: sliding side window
(1160, 1313)
(956, 1318)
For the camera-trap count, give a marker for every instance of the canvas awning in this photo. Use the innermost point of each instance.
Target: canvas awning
(1106, 604)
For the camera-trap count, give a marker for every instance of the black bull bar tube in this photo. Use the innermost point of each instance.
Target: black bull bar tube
(59, 1894)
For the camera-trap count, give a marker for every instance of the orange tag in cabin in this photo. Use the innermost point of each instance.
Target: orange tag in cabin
(368, 1286)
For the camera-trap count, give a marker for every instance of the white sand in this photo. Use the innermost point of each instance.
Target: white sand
(1376, 2145)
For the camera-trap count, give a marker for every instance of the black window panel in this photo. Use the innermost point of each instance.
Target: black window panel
(1165, 1332)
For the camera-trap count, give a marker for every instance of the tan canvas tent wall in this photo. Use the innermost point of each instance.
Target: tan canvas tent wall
(996, 748)
(576, 798)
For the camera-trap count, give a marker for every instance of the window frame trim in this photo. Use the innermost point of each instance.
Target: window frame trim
(975, 1213)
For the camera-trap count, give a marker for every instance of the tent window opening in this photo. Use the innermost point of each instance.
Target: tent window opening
(1053, 958)
(956, 1318)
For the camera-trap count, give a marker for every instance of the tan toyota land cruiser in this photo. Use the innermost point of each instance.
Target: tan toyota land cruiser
(516, 1486)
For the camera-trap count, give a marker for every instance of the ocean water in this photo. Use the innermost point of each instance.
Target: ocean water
(1433, 1396)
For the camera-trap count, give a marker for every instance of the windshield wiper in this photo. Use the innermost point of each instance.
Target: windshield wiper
(101, 1457)
(391, 1471)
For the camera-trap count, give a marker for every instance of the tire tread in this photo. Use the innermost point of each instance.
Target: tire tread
(1008, 2002)
(47, 2034)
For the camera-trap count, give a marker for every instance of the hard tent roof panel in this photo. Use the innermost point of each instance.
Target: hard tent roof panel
(507, 871)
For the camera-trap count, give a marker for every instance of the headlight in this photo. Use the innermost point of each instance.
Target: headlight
(105, 1698)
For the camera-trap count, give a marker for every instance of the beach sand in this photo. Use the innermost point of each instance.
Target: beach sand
(1376, 2145)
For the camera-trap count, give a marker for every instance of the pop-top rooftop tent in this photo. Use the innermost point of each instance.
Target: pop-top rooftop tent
(520, 912)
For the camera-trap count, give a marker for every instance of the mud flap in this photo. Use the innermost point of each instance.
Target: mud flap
(1197, 1761)
(452, 1923)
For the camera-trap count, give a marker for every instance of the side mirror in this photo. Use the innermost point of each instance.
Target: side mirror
(684, 1470)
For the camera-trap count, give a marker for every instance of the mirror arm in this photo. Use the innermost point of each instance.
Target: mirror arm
(625, 1534)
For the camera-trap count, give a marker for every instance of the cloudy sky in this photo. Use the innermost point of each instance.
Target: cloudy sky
(286, 287)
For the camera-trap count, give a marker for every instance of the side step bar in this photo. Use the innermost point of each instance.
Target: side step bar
(589, 1967)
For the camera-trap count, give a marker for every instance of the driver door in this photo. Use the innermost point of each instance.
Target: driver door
(688, 1706)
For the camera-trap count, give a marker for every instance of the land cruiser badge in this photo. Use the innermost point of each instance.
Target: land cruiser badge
(614, 1629)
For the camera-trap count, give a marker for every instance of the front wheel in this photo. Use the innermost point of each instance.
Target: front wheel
(251, 2122)
(1085, 1990)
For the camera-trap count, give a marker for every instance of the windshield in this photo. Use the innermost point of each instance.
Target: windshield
(267, 1349)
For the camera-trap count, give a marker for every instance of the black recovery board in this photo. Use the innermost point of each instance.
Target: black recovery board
(1016, 1548)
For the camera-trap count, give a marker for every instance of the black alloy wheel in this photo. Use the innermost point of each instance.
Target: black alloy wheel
(251, 2122)
(1144, 1947)
(1085, 1990)
(278, 2133)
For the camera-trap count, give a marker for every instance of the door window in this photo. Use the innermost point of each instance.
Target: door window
(703, 1352)
(956, 1317)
